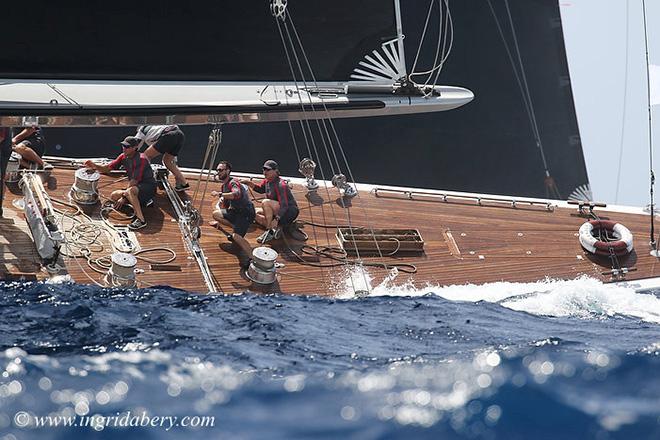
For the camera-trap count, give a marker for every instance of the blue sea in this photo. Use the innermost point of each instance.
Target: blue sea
(548, 360)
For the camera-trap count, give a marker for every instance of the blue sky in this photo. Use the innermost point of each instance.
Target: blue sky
(606, 55)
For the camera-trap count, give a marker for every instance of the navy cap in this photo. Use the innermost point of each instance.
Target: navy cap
(130, 142)
(271, 165)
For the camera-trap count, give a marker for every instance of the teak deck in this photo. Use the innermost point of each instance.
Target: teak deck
(464, 242)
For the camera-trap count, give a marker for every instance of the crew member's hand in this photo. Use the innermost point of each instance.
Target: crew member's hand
(90, 164)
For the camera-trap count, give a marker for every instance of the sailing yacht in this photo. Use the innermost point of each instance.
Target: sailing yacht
(349, 235)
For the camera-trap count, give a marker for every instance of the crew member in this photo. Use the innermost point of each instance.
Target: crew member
(235, 208)
(168, 141)
(279, 209)
(31, 145)
(141, 184)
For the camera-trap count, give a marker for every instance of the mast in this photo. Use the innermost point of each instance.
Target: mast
(399, 32)
(652, 241)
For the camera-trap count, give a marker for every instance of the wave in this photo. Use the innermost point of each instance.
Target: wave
(540, 391)
(583, 297)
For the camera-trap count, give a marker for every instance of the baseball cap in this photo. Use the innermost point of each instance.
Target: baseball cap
(271, 165)
(130, 142)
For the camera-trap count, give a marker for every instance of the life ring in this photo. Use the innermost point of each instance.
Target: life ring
(622, 246)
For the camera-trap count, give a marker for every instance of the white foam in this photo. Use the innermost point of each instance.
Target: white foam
(583, 297)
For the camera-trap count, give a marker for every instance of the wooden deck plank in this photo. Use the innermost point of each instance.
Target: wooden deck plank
(494, 242)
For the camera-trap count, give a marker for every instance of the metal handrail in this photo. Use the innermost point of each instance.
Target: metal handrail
(445, 197)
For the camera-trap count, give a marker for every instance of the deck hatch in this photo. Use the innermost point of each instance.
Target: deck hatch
(387, 241)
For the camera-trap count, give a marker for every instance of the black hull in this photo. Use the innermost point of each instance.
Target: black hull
(486, 146)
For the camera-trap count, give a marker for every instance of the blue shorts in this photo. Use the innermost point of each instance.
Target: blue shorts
(146, 192)
(288, 215)
(240, 219)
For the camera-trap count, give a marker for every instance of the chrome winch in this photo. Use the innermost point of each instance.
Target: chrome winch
(262, 269)
(85, 187)
(12, 173)
(122, 270)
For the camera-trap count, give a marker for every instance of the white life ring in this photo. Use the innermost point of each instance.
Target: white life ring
(623, 244)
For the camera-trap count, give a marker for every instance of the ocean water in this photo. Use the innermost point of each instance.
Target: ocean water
(547, 360)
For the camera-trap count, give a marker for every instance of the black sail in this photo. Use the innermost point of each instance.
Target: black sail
(486, 146)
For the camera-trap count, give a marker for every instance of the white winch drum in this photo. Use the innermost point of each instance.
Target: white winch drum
(85, 187)
(13, 166)
(264, 257)
(122, 271)
(262, 268)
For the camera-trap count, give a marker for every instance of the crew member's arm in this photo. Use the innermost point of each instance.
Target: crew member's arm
(235, 191)
(257, 187)
(104, 169)
(24, 134)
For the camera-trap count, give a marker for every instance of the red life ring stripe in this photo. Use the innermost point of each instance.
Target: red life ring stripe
(606, 248)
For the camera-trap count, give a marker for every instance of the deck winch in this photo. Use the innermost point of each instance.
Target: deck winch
(85, 187)
(262, 269)
(122, 270)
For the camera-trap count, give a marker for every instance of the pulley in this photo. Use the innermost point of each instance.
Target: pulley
(345, 189)
(307, 168)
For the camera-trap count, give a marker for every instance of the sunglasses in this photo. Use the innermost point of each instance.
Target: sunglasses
(267, 169)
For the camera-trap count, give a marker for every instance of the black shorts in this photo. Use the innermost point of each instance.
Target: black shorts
(171, 142)
(288, 215)
(240, 219)
(146, 192)
(38, 146)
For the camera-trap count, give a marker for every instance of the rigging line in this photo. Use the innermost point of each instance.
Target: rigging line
(624, 105)
(302, 50)
(648, 96)
(524, 77)
(295, 143)
(518, 80)
(204, 162)
(513, 65)
(449, 30)
(293, 75)
(217, 138)
(326, 111)
(445, 56)
(63, 95)
(341, 149)
(309, 149)
(304, 123)
(302, 74)
(302, 127)
(441, 29)
(421, 40)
